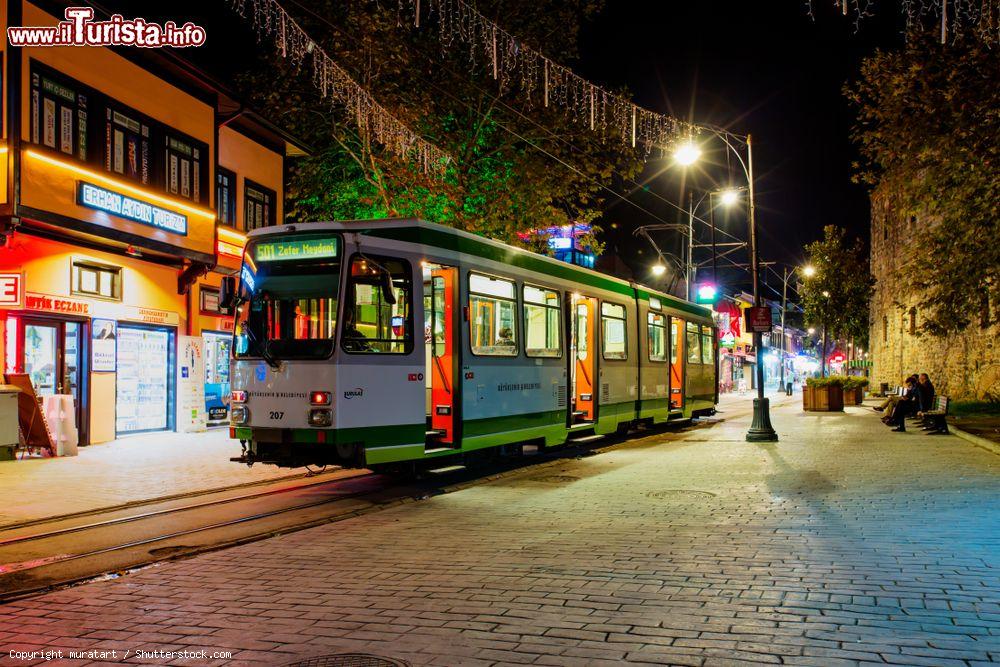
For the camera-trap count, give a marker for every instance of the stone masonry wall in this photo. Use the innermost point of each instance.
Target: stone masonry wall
(962, 366)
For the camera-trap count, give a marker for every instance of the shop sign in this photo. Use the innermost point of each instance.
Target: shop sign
(101, 309)
(11, 287)
(103, 346)
(101, 199)
(759, 319)
(56, 304)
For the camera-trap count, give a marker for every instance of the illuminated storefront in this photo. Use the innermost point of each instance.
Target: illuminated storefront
(134, 180)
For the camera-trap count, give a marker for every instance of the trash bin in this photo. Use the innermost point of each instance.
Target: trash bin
(8, 421)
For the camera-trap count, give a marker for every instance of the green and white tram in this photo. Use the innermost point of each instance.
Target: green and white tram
(372, 343)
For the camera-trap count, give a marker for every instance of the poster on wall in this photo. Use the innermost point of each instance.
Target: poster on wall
(104, 345)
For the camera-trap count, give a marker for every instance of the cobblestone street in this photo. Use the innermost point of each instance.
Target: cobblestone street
(841, 544)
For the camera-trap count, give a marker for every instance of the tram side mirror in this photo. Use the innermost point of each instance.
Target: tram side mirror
(385, 282)
(227, 292)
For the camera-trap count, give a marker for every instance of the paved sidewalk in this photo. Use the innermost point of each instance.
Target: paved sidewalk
(842, 544)
(127, 470)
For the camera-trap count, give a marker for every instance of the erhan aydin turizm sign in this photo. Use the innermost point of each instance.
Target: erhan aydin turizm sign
(101, 199)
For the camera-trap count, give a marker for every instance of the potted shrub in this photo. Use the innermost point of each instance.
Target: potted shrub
(824, 394)
(854, 389)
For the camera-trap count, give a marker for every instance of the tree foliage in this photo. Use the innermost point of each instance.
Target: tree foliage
(837, 296)
(516, 165)
(928, 129)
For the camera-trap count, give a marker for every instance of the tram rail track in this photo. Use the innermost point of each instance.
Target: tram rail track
(71, 552)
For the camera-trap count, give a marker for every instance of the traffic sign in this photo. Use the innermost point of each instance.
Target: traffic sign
(759, 319)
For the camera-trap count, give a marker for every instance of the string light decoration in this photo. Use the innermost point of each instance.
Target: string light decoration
(373, 121)
(953, 18)
(516, 66)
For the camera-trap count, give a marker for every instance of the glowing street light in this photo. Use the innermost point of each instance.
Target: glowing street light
(809, 271)
(810, 331)
(687, 154)
(659, 270)
(729, 197)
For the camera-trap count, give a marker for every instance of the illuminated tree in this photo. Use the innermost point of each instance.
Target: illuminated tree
(515, 166)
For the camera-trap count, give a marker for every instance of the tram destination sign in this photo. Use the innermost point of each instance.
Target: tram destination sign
(101, 199)
(283, 251)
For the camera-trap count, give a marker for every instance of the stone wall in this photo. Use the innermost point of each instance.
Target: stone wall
(964, 365)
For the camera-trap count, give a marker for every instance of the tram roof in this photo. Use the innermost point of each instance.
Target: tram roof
(432, 234)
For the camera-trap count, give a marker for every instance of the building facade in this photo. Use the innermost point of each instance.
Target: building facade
(964, 365)
(130, 179)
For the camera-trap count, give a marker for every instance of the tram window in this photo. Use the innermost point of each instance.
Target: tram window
(613, 331)
(674, 340)
(707, 348)
(693, 344)
(542, 323)
(492, 322)
(378, 313)
(657, 329)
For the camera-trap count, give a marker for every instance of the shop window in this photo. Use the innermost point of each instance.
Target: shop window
(126, 145)
(225, 196)
(693, 341)
(58, 113)
(378, 312)
(542, 323)
(96, 280)
(492, 322)
(657, 332)
(707, 346)
(183, 165)
(258, 205)
(613, 331)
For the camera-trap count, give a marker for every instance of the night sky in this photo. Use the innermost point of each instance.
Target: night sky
(756, 67)
(753, 67)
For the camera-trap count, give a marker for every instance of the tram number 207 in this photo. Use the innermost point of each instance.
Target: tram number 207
(275, 414)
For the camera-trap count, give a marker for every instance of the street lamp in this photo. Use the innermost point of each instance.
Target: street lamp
(687, 153)
(729, 197)
(659, 269)
(760, 429)
(809, 271)
(810, 331)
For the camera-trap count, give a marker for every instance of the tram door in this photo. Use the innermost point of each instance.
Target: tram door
(676, 363)
(583, 360)
(440, 298)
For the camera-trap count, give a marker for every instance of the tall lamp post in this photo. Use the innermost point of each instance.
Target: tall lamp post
(808, 272)
(686, 154)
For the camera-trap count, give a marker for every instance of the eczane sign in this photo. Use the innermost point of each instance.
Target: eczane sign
(11, 285)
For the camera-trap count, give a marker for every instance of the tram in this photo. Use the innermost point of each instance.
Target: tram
(383, 342)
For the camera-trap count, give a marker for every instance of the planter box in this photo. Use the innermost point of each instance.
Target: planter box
(854, 396)
(822, 399)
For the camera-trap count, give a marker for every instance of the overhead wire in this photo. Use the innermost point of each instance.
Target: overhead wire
(495, 98)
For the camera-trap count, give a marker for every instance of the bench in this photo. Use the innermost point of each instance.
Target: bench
(937, 417)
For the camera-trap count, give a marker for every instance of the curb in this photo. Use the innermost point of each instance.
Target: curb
(978, 441)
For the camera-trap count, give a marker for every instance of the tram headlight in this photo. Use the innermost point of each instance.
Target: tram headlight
(239, 415)
(320, 417)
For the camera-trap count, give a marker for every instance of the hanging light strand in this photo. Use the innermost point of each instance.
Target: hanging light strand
(374, 123)
(517, 67)
(953, 18)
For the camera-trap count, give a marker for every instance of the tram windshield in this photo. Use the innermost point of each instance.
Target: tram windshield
(287, 306)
